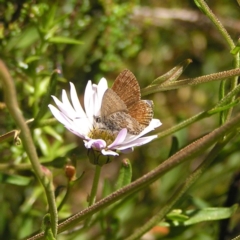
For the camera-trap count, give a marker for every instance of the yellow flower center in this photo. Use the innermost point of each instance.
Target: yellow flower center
(107, 135)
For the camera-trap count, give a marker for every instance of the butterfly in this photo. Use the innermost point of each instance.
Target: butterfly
(122, 106)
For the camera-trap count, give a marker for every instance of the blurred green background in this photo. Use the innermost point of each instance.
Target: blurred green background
(88, 40)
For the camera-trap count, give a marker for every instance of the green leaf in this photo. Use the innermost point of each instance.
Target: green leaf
(53, 133)
(174, 73)
(210, 214)
(32, 59)
(177, 215)
(50, 17)
(64, 40)
(174, 146)
(235, 50)
(170, 76)
(50, 91)
(25, 39)
(125, 174)
(14, 179)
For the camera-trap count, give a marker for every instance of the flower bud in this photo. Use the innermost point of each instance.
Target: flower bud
(70, 172)
(97, 158)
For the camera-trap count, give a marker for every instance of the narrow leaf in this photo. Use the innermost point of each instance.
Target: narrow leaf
(210, 214)
(14, 179)
(174, 146)
(64, 40)
(125, 174)
(51, 90)
(174, 73)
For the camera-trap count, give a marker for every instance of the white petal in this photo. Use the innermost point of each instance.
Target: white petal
(88, 99)
(64, 109)
(109, 152)
(82, 125)
(77, 130)
(58, 115)
(155, 123)
(119, 139)
(75, 101)
(101, 89)
(152, 125)
(96, 143)
(95, 101)
(66, 102)
(71, 129)
(137, 142)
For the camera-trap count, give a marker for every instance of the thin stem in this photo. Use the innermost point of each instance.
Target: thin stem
(65, 196)
(183, 124)
(93, 194)
(216, 22)
(12, 105)
(181, 190)
(190, 81)
(94, 189)
(230, 42)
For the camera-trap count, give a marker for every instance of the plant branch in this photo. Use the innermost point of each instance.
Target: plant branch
(12, 105)
(190, 81)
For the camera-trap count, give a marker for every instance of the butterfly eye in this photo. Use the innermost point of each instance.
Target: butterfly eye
(98, 119)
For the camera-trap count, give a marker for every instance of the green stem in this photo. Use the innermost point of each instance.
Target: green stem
(177, 196)
(183, 124)
(228, 39)
(190, 81)
(204, 7)
(65, 196)
(94, 189)
(12, 104)
(93, 194)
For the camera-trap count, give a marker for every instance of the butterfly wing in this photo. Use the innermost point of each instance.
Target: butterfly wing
(127, 88)
(112, 103)
(114, 114)
(142, 111)
(119, 120)
(122, 106)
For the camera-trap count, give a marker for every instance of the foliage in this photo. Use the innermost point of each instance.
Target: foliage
(47, 44)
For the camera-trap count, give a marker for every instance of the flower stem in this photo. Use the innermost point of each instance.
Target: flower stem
(93, 193)
(65, 197)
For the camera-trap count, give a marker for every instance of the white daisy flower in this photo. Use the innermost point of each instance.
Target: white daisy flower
(83, 123)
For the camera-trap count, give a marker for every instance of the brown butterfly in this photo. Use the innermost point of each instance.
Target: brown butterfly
(122, 106)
